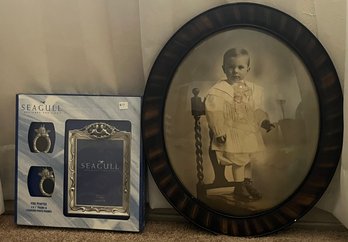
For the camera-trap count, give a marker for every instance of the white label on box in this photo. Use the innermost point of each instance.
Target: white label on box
(123, 105)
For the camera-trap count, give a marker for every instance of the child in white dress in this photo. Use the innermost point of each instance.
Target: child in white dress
(234, 110)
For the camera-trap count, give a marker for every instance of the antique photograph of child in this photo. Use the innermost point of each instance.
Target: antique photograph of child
(254, 138)
(235, 113)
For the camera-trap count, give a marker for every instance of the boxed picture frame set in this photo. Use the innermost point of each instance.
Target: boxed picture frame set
(79, 162)
(246, 155)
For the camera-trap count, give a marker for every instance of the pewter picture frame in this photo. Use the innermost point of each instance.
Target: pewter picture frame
(91, 134)
(222, 161)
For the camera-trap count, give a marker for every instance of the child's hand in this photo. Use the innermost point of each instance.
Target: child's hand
(267, 125)
(221, 139)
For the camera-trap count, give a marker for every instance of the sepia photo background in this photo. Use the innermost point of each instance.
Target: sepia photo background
(290, 101)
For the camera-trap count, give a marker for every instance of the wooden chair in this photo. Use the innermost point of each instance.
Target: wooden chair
(198, 110)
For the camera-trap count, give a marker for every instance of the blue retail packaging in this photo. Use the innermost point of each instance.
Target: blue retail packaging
(79, 163)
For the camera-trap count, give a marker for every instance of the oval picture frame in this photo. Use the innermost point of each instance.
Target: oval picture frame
(161, 158)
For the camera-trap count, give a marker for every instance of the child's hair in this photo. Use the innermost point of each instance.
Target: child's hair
(235, 52)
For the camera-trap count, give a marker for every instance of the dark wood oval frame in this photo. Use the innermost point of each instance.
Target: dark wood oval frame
(321, 69)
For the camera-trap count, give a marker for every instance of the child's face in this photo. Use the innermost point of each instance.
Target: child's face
(236, 68)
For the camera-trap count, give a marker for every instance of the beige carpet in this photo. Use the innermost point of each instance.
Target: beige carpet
(159, 230)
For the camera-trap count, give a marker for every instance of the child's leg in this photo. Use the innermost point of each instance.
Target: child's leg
(242, 174)
(238, 171)
(239, 164)
(240, 192)
(247, 171)
(249, 184)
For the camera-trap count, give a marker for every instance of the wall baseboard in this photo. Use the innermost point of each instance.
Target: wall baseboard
(316, 217)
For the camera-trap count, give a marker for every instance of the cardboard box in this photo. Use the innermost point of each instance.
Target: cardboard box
(79, 163)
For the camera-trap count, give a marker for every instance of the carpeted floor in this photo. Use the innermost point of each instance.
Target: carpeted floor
(158, 230)
(167, 225)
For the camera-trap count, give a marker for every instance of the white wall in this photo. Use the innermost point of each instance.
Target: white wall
(64, 46)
